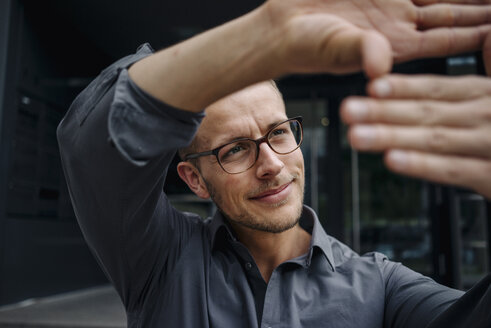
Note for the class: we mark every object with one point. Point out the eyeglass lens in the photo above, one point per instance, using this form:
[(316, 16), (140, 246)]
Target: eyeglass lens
[(239, 156)]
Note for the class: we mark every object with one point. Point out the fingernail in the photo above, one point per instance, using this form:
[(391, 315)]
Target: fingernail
[(382, 88), (398, 159), (364, 135), (357, 109)]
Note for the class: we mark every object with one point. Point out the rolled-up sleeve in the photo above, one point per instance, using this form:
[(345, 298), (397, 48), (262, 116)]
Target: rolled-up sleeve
[(116, 143), (139, 127)]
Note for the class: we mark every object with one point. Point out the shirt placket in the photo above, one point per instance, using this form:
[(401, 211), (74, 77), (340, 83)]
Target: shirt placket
[(271, 302)]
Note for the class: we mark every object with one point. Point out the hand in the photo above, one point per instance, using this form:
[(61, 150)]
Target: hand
[(304, 36), (435, 128), (341, 36)]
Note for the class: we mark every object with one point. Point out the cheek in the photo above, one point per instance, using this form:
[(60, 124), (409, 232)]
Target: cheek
[(229, 189), (214, 180), (234, 188), (300, 160), (296, 160)]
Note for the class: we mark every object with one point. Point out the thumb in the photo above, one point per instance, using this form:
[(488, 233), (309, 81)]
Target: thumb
[(486, 54), (352, 50), (376, 54)]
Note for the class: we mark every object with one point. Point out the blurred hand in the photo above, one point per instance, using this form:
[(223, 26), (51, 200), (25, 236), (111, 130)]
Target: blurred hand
[(340, 36), (435, 128)]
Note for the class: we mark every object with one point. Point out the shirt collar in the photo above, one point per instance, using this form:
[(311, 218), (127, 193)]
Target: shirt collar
[(310, 222), (219, 227)]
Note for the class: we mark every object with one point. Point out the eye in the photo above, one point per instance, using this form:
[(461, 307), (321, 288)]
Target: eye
[(235, 151), (279, 132)]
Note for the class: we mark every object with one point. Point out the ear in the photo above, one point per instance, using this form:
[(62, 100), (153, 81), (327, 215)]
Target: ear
[(190, 174)]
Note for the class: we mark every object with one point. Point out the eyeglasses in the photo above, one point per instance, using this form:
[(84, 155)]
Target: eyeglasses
[(241, 154)]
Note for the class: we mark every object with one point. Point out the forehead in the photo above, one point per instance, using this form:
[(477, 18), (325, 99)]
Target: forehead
[(247, 113)]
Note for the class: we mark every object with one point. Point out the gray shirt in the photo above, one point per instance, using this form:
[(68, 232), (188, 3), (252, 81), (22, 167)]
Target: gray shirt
[(173, 269)]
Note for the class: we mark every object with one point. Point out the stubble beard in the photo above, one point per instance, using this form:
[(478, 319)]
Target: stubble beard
[(259, 223)]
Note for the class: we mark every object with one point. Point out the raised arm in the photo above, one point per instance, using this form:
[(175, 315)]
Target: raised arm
[(308, 36)]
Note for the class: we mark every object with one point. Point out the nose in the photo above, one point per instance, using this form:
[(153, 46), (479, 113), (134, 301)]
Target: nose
[(268, 163)]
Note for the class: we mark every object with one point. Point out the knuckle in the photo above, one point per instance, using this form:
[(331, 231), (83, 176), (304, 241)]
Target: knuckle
[(398, 84), (427, 112), (453, 174), (455, 17), (377, 111), (436, 90), (386, 137), (484, 109), (437, 140), (448, 13)]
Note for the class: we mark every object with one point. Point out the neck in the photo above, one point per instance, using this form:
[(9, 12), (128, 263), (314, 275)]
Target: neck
[(271, 249)]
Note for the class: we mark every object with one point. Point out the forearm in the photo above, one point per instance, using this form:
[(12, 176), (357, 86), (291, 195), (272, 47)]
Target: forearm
[(203, 69)]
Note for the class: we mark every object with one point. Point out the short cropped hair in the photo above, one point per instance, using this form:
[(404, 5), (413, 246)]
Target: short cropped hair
[(195, 143)]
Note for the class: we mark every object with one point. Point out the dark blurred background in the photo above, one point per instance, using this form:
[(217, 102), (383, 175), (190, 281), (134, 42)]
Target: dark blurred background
[(51, 49)]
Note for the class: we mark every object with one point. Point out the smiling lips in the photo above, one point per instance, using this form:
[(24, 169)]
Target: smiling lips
[(276, 195)]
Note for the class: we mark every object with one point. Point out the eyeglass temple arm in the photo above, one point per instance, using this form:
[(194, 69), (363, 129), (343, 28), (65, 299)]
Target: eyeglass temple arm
[(196, 155)]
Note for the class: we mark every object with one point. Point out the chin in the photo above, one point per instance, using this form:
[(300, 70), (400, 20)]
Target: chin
[(267, 224), (276, 218)]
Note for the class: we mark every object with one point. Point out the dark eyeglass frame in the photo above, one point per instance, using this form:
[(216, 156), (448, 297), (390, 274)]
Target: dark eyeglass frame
[(258, 142)]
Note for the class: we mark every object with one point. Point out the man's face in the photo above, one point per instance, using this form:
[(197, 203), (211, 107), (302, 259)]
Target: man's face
[(269, 196)]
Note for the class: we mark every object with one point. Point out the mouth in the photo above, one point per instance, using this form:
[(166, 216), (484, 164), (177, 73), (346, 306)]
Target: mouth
[(275, 195)]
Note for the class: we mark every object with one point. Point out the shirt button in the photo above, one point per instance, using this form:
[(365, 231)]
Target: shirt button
[(248, 266)]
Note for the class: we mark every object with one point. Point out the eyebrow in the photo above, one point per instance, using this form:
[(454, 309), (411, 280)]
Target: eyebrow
[(232, 139)]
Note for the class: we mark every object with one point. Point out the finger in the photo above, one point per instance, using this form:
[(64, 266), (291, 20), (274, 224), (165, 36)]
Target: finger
[(357, 110), (342, 53), (430, 87), (441, 140), (317, 44), (486, 54), (351, 49), (452, 15), (442, 42), (474, 173), (464, 2), (376, 54), (440, 15)]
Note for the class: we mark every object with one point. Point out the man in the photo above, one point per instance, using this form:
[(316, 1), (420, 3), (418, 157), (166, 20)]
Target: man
[(263, 259)]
